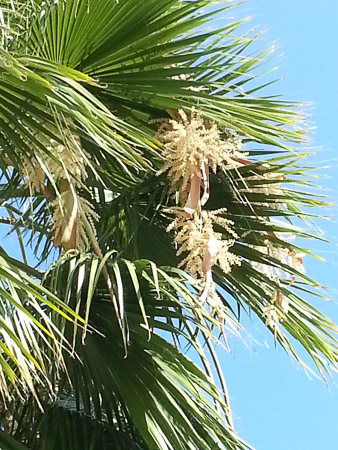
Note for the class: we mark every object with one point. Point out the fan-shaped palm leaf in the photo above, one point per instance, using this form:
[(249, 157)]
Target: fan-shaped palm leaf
[(94, 78)]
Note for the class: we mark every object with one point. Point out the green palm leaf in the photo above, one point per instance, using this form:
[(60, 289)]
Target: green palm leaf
[(29, 336), (96, 343)]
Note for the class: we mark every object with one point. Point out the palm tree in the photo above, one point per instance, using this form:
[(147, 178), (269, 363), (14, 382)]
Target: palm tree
[(154, 195)]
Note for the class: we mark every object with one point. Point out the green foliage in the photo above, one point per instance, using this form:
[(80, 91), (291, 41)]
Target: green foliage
[(95, 344)]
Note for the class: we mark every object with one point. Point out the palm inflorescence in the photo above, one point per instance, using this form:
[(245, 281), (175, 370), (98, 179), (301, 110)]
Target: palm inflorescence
[(156, 197)]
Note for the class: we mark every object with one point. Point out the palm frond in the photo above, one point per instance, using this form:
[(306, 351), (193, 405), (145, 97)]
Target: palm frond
[(102, 339), (29, 336), (170, 308)]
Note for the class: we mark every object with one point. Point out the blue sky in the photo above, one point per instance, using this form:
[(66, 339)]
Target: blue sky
[(276, 406)]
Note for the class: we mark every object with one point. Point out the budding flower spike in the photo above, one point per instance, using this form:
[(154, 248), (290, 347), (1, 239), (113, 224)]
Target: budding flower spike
[(68, 171), (192, 146)]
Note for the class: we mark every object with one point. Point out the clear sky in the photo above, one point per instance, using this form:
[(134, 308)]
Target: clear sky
[(276, 406)]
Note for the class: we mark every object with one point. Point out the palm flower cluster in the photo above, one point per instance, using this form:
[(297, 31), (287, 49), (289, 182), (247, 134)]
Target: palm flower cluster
[(68, 224), (191, 147), (273, 310), (79, 336), (269, 186), (34, 175), (287, 257), (68, 170), (69, 161), (202, 247)]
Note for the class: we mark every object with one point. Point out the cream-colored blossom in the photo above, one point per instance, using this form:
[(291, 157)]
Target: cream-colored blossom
[(282, 254), (192, 144), (269, 187), (271, 316), (274, 310), (70, 159), (193, 239), (295, 261), (68, 171), (202, 247), (68, 221), (69, 162), (288, 257), (216, 306), (34, 176), (284, 304)]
